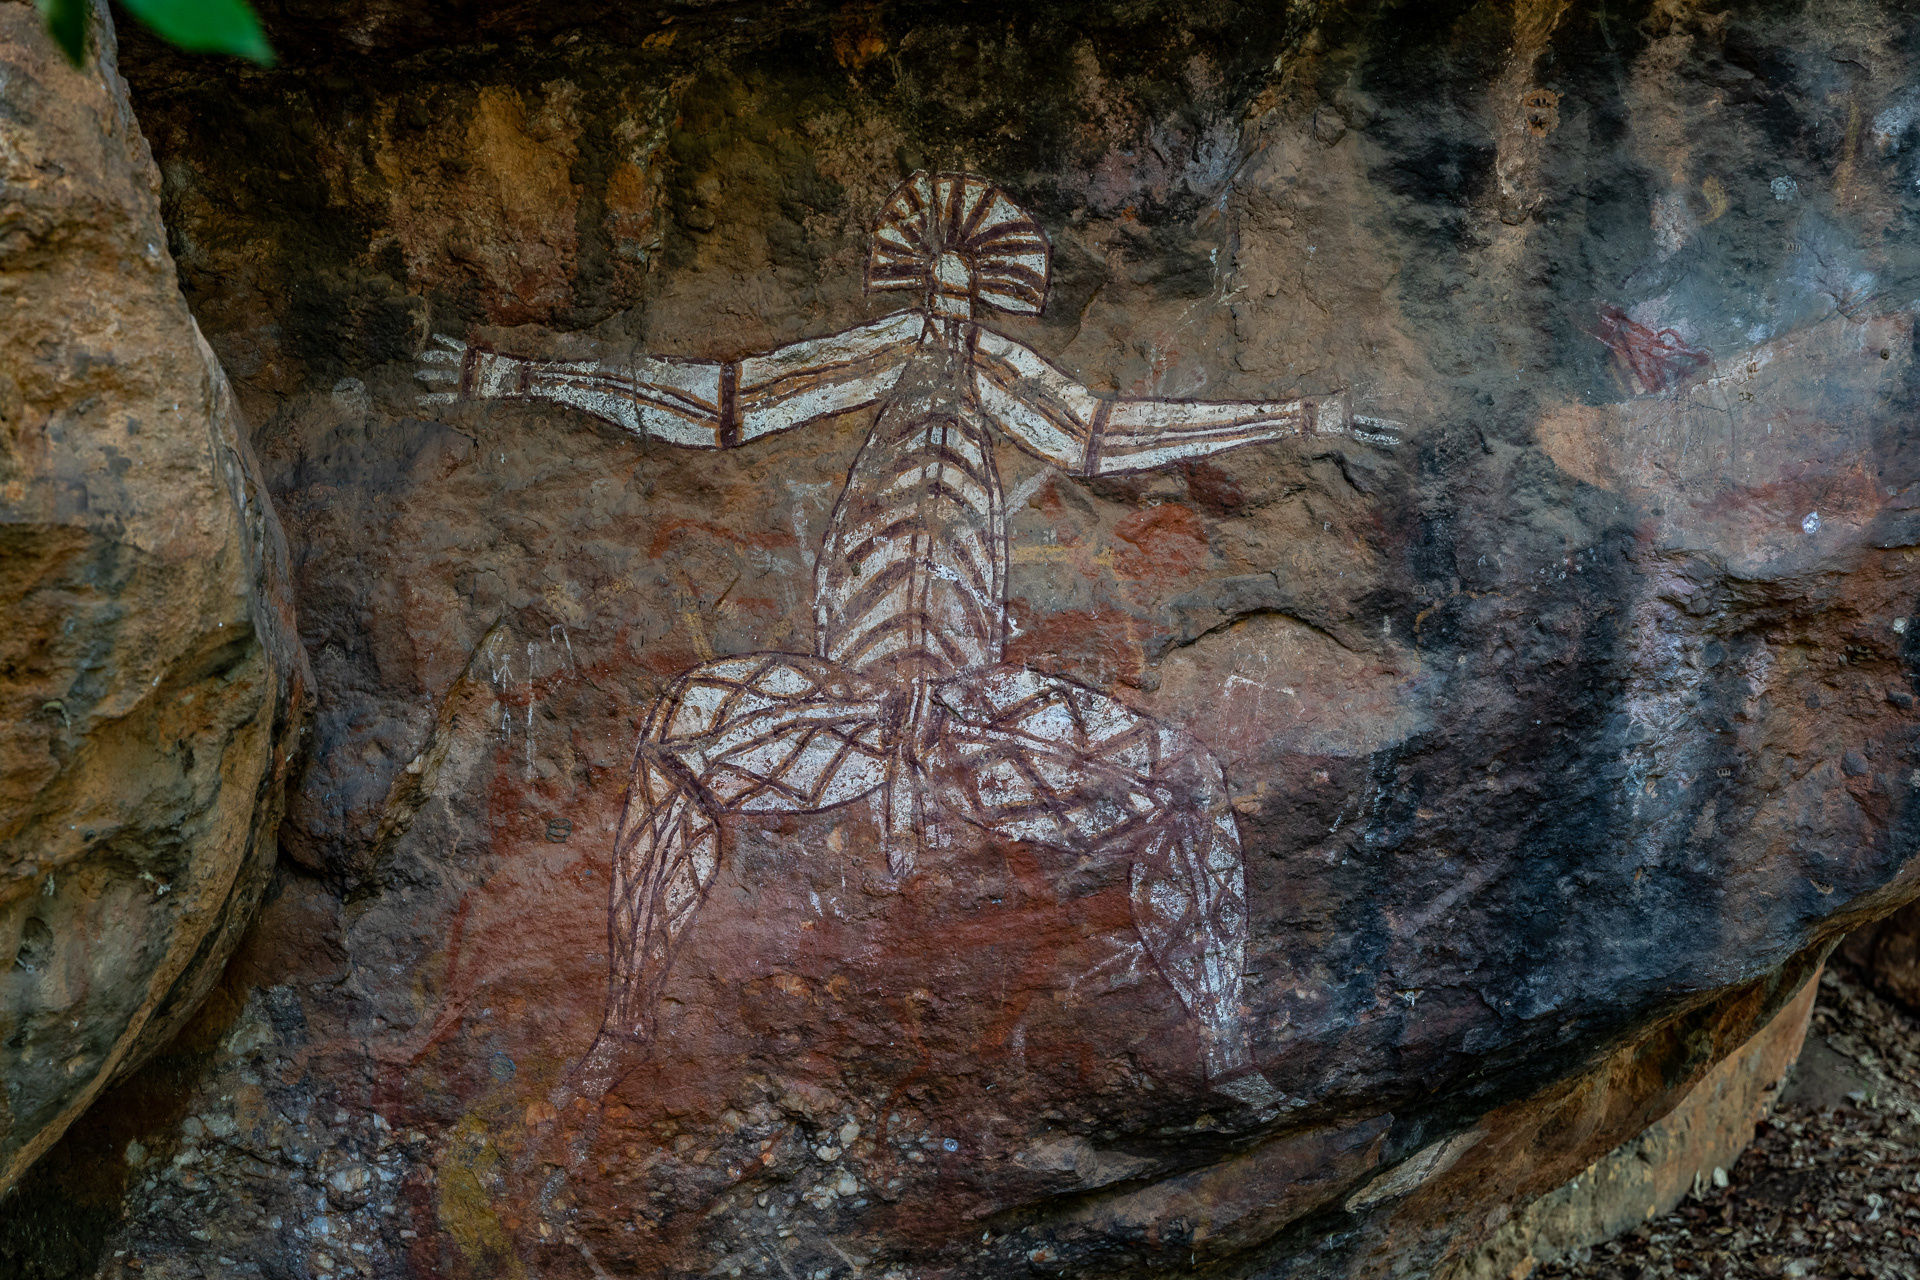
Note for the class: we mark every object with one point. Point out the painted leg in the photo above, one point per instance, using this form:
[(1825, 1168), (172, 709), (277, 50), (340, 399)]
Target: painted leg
[(664, 857), (663, 863), (1040, 758), (1190, 901), (761, 733)]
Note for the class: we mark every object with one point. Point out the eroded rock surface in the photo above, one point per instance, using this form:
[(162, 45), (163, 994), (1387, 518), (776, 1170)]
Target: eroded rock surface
[(1886, 954), (150, 676), (1560, 739)]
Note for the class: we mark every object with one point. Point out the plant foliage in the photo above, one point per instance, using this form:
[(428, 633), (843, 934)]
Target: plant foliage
[(199, 26)]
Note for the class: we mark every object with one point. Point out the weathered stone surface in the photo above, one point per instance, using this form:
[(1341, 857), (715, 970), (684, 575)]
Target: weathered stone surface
[(1689, 1148), (1887, 954), (1559, 740), (150, 676)]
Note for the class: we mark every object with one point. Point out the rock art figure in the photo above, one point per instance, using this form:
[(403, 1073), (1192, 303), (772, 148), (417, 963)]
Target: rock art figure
[(1657, 360), (907, 702)]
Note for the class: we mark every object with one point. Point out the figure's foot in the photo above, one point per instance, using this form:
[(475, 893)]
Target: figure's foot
[(1231, 1070), (1224, 1049), (1250, 1090), (592, 1076)]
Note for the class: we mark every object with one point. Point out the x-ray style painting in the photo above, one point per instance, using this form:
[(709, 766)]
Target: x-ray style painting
[(907, 702)]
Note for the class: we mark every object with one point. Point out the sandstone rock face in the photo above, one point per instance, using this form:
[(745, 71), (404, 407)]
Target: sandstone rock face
[(150, 672), (1555, 742)]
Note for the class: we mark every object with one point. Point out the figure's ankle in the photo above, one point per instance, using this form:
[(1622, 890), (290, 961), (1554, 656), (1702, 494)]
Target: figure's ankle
[(592, 1076), (1249, 1089), (1232, 1072), (1226, 1052)]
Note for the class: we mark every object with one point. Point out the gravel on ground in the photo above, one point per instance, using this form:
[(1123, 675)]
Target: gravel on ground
[(1831, 1184)]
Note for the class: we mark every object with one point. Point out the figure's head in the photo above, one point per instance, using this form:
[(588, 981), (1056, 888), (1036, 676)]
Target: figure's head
[(957, 240)]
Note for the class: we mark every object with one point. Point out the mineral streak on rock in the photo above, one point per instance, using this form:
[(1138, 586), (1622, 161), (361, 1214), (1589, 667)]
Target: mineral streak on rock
[(1559, 740), (151, 683)]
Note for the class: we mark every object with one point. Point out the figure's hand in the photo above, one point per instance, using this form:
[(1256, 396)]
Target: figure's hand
[(440, 366), (1381, 433)]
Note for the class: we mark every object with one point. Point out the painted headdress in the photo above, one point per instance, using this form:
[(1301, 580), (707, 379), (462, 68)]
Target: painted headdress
[(961, 242)]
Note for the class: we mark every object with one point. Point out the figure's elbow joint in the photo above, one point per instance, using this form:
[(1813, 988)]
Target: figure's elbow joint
[(1096, 430), (1326, 415), (1333, 415), (488, 375)]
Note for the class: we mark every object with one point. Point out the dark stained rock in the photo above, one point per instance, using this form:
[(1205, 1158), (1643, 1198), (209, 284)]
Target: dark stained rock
[(1887, 954), (151, 681), (1559, 741)]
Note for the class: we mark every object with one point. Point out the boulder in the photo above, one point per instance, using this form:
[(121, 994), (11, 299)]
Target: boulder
[(1308, 854), (1685, 1152), (151, 683)]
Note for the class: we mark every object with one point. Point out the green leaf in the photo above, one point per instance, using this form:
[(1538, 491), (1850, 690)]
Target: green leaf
[(204, 26), (67, 24)]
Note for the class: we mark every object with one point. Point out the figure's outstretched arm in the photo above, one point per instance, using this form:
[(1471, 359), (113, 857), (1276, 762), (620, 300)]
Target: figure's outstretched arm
[(1060, 420), (703, 404)]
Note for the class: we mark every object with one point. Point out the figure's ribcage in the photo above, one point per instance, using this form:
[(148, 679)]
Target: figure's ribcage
[(912, 576)]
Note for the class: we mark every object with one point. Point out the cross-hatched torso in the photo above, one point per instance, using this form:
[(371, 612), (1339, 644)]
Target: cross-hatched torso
[(911, 579)]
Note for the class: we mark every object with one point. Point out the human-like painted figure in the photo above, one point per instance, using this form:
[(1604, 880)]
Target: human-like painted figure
[(907, 702)]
